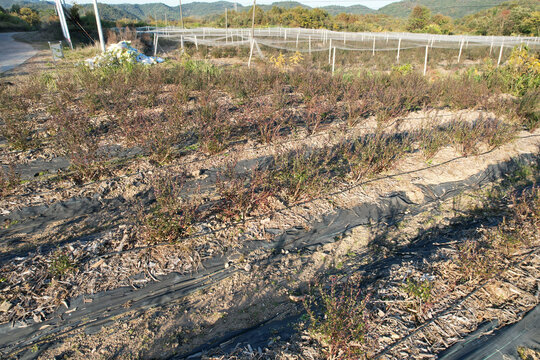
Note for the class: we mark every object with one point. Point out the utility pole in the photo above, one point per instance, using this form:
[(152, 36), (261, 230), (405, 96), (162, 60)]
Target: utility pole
[(181, 15), (253, 22), (100, 30), (252, 35), (226, 27), (63, 24)]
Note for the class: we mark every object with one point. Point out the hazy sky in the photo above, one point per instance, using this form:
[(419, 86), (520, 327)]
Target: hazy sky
[(374, 4)]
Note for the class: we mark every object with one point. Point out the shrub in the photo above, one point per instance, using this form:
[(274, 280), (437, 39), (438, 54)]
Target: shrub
[(522, 71), (156, 133), (8, 180), (529, 108), (266, 118), (339, 319), (241, 194), (17, 128), (172, 216), (77, 137), (303, 173), (212, 125), (420, 290), (431, 141), (318, 111), (375, 153), (463, 136), (61, 264), (475, 259)]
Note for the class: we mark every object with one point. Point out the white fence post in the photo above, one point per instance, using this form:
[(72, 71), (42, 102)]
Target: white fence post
[(425, 61), (334, 62), (98, 23), (373, 45), (398, 48), (500, 54), (251, 52), (460, 50), (330, 52)]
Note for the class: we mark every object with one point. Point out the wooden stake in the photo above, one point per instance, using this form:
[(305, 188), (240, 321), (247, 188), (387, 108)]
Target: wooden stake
[(491, 47), (310, 45), (297, 35), (373, 45)]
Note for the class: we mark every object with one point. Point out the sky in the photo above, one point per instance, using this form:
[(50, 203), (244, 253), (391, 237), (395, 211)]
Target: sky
[(374, 4)]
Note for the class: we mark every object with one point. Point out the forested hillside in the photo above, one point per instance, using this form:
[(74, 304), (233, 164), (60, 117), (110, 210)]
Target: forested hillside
[(521, 17)]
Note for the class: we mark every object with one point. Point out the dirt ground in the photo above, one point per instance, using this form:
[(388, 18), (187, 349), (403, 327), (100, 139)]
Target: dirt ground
[(237, 295)]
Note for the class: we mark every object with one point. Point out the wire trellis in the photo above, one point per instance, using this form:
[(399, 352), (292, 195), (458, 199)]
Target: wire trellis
[(320, 40), (312, 40)]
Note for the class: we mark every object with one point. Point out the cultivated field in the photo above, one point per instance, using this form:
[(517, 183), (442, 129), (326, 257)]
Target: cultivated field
[(202, 208)]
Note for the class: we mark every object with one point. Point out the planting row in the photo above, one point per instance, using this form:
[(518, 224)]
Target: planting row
[(417, 308), (175, 109), (183, 218)]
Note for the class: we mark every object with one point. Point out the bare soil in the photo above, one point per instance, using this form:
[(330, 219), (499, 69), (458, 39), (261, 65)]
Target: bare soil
[(248, 279)]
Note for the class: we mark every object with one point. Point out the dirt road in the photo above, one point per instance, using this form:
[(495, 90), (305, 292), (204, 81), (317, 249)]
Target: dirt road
[(13, 52)]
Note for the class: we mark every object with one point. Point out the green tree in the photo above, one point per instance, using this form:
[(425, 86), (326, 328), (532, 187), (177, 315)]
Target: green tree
[(74, 12), (15, 8), (419, 18), (29, 15)]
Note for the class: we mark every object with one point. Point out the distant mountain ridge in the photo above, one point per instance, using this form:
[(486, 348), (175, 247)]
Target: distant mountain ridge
[(200, 9), (401, 9), (452, 8)]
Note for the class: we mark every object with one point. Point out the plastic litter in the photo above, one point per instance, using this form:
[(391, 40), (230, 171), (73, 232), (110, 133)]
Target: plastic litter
[(120, 54)]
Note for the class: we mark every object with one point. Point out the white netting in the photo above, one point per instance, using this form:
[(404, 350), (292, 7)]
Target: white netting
[(313, 40)]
